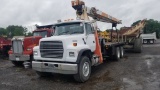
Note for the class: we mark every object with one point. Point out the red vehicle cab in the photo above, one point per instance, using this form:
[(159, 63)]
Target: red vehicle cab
[(22, 47), (5, 45)]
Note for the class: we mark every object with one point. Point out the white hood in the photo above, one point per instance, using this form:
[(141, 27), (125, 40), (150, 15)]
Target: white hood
[(64, 37)]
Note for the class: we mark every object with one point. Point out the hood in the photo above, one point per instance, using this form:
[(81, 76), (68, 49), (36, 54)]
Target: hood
[(33, 37), (63, 37), (18, 38), (33, 40)]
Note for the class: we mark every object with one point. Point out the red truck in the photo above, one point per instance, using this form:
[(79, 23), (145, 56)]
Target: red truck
[(22, 47), (5, 45)]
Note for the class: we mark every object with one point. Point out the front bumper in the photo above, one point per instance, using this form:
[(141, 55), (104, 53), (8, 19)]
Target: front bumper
[(19, 57), (62, 68)]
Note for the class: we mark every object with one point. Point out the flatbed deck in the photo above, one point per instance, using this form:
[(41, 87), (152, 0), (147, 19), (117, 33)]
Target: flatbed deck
[(114, 43)]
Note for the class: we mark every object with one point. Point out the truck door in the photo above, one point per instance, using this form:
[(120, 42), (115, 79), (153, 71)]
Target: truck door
[(90, 39)]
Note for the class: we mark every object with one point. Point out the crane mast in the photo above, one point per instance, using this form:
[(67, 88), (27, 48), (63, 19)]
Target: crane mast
[(83, 12)]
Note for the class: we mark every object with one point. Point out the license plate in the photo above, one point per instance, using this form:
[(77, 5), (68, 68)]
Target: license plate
[(51, 65), (17, 59)]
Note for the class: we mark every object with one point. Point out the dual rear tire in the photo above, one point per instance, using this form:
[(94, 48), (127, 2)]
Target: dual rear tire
[(119, 53), (148, 41)]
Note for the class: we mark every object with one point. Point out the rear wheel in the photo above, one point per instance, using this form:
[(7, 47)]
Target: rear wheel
[(121, 52), (144, 41), (138, 45), (43, 74), (84, 70), (18, 63), (117, 54), (151, 41)]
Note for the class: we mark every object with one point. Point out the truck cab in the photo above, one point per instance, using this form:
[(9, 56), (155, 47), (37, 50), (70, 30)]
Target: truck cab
[(5, 45), (149, 38), (71, 50), (22, 47)]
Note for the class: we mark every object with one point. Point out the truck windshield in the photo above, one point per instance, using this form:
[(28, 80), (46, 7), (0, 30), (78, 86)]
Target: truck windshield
[(40, 33), (69, 28)]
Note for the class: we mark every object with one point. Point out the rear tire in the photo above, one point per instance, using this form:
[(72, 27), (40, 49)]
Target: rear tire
[(151, 41), (145, 41), (138, 45), (117, 54), (121, 52), (43, 74), (18, 63), (84, 70)]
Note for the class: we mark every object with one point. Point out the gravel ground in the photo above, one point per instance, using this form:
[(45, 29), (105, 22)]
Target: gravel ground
[(133, 72)]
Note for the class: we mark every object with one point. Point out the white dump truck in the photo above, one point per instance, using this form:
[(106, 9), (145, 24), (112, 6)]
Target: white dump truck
[(149, 38)]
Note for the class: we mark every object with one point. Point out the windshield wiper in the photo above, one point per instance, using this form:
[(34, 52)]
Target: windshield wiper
[(63, 33), (75, 33)]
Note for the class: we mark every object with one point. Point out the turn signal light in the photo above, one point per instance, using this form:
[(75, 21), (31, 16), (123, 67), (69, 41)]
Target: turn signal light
[(74, 44)]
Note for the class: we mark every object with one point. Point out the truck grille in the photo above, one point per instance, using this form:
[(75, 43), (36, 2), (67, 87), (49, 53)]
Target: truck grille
[(51, 49), (17, 46)]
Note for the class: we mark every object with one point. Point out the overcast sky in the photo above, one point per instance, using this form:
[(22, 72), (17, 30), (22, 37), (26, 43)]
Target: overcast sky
[(31, 12)]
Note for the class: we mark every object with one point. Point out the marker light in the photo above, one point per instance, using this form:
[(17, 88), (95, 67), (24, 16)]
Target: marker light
[(74, 44)]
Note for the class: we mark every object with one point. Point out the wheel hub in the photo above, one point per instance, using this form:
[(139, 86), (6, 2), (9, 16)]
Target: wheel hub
[(118, 54), (122, 53), (86, 69)]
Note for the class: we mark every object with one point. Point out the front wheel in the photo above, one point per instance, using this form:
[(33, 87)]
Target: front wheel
[(18, 63), (84, 70)]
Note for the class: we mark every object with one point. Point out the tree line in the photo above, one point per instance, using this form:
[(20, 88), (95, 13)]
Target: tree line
[(14, 30)]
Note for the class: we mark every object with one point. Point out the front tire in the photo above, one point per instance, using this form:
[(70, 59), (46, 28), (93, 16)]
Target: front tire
[(84, 70)]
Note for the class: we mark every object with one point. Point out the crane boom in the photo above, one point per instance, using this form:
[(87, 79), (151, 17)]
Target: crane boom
[(83, 12)]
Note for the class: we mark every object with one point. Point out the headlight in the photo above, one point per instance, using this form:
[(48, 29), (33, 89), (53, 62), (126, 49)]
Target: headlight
[(35, 52), (71, 54)]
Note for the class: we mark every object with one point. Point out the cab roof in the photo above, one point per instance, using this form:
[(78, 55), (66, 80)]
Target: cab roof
[(45, 26), (51, 25), (72, 21)]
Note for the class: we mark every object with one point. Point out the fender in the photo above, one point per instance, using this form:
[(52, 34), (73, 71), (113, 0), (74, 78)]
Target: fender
[(81, 52)]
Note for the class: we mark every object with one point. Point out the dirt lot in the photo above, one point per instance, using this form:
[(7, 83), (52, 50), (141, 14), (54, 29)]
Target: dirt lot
[(134, 72)]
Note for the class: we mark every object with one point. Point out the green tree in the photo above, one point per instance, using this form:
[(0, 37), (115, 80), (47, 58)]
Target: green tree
[(3, 31), (29, 34), (16, 31), (135, 23)]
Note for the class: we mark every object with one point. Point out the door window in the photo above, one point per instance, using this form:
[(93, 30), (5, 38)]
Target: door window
[(88, 28)]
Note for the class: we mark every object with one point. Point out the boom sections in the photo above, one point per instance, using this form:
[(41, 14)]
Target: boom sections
[(83, 12)]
